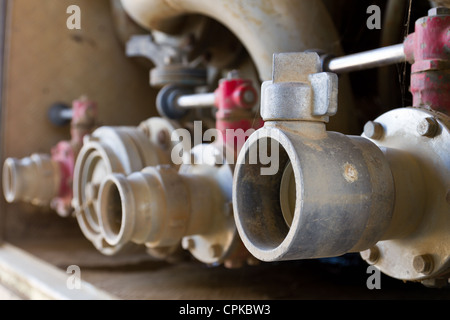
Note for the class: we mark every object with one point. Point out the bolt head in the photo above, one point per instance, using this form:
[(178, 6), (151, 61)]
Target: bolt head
[(89, 138), (252, 261), (435, 283), (168, 60), (438, 11), (371, 255), (428, 127), (423, 263), (233, 264), (146, 131), (188, 243), (163, 138), (373, 130), (249, 96), (233, 74), (215, 250)]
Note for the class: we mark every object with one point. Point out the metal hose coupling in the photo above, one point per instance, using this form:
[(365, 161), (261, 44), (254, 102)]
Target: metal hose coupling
[(156, 206), (46, 179), (163, 207), (23, 179), (114, 150), (302, 192)]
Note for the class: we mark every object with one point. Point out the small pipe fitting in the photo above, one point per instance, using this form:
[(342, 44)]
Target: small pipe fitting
[(34, 179), (156, 207), (108, 150), (163, 207)]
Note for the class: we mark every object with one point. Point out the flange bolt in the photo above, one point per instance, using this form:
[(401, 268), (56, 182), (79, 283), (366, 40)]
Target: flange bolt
[(373, 130), (423, 263), (428, 127)]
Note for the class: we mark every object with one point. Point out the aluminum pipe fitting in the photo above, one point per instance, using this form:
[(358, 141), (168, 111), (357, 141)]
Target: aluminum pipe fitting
[(332, 194), (35, 179), (156, 206), (108, 150), (299, 191), (163, 207)]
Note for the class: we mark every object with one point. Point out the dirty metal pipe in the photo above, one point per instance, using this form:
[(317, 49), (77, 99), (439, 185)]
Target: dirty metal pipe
[(199, 100), (367, 59), (66, 114), (234, 100), (426, 49)]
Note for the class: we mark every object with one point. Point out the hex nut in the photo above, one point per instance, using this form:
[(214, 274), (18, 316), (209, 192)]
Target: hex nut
[(423, 263), (249, 96), (428, 127), (373, 130), (435, 283), (188, 243), (438, 11), (371, 255), (215, 250), (163, 138)]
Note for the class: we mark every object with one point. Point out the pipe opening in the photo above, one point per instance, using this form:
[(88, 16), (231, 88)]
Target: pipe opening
[(114, 216), (112, 211), (287, 194), (265, 202)]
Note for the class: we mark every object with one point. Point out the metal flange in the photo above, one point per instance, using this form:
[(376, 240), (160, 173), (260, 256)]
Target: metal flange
[(422, 251)]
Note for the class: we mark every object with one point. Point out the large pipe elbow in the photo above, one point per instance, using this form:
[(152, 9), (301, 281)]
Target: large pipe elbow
[(263, 27)]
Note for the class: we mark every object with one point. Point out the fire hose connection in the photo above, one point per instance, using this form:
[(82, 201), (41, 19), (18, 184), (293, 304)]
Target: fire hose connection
[(324, 194), (45, 179), (113, 150)]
